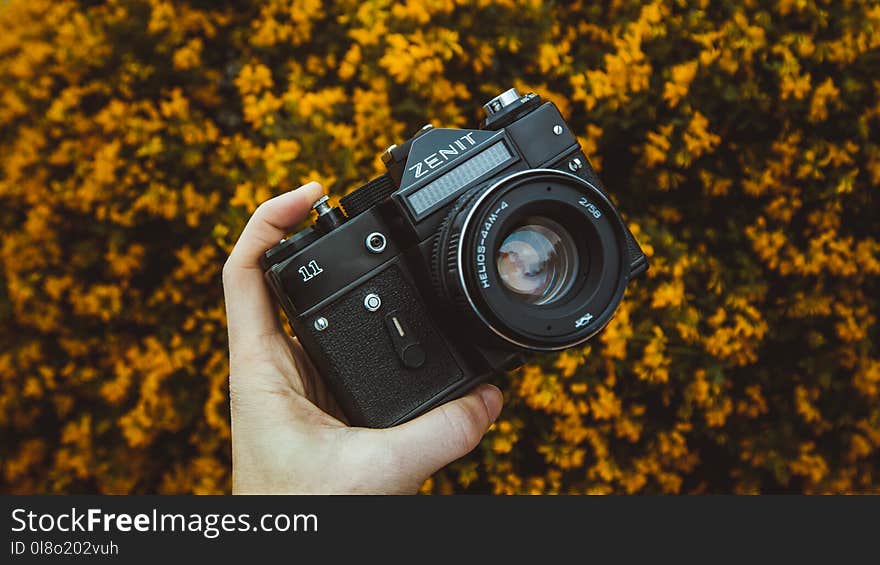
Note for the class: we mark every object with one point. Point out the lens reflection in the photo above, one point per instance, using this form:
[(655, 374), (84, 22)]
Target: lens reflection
[(537, 262)]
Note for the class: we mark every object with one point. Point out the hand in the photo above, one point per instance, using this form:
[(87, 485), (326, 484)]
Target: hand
[(287, 431)]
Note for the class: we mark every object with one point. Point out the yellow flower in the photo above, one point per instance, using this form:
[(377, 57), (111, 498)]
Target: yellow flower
[(698, 139), (824, 93), (682, 77), (254, 78)]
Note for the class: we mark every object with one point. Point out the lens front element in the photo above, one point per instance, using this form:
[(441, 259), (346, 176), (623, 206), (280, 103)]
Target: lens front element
[(537, 262)]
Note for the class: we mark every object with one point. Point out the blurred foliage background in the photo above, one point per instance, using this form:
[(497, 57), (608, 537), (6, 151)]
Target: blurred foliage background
[(740, 138)]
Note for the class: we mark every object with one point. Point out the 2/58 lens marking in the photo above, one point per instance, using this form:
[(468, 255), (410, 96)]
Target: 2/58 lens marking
[(591, 208)]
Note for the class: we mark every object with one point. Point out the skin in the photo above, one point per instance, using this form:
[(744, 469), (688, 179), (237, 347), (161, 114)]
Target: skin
[(288, 435)]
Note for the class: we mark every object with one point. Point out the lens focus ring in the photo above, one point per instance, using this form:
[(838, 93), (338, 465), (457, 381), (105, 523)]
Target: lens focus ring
[(445, 256)]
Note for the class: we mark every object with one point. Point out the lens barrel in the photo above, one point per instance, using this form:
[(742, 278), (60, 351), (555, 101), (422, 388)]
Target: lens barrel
[(537, 259)]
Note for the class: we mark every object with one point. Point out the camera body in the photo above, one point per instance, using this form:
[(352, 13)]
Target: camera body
[(476, 248)]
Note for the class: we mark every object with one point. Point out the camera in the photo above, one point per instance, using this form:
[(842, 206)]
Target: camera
[(476, 249)]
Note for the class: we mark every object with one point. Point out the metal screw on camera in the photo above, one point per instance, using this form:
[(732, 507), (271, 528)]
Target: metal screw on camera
[(321, 324), (375, 242), (557, 129), (575, 164), (372, 302)]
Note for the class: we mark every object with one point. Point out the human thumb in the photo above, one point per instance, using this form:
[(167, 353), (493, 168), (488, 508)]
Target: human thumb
[(446, 433)]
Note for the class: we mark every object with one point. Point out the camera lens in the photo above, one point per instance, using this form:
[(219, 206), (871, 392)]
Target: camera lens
[(538, 261), (537, 258)]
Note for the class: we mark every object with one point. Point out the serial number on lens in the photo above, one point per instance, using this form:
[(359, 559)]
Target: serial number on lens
[(47, 547)]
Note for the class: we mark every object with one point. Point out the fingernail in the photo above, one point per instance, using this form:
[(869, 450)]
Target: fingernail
[(492, 398)]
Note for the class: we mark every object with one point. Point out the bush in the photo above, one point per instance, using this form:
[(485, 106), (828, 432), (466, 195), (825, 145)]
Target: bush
[(739, 138)]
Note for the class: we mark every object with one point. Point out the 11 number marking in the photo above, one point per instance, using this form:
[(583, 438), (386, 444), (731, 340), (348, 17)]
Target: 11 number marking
[(310, 271)]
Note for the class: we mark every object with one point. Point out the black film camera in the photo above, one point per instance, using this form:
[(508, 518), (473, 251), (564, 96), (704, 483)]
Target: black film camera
[(477, 248)]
